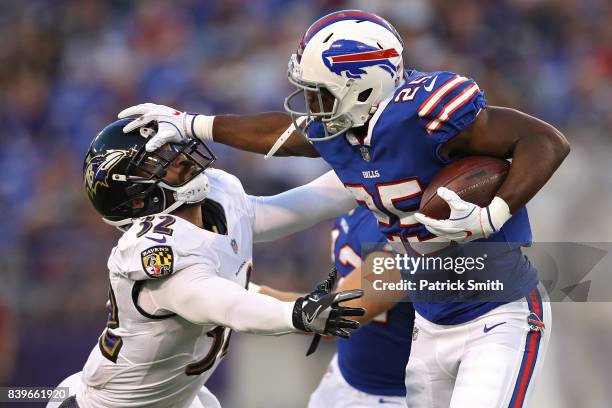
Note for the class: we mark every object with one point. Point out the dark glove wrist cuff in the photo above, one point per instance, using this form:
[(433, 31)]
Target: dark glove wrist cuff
[(296, 317)]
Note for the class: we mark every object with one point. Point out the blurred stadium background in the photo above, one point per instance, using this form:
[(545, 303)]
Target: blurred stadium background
[(68, 67)]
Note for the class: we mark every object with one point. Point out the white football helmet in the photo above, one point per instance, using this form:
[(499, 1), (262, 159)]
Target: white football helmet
[(354, 57)]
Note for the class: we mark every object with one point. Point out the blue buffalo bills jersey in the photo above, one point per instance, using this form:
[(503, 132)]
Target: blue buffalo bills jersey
[(374, 359), (388, 169)]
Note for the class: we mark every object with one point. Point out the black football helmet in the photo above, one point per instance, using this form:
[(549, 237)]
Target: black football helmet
[(118, 170)]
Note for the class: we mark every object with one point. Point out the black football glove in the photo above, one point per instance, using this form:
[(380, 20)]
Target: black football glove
[(319, 312), (326, 286)]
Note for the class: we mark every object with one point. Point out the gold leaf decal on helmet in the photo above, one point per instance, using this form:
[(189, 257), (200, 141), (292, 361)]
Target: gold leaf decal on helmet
[(98, 169)]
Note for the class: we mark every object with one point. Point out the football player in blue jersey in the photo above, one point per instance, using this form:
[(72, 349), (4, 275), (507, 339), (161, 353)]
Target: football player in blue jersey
[(386, 131), (369, 368)]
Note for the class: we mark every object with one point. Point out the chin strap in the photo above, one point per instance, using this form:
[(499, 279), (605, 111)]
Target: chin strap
[(283, 138), (122, 225)]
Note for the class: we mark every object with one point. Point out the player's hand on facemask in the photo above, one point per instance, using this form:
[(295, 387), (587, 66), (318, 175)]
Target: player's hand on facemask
[(173, 126), (319, 312), (467, 221)]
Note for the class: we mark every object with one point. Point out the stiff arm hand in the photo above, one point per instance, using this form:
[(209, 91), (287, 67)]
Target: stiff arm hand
[(173, 126)]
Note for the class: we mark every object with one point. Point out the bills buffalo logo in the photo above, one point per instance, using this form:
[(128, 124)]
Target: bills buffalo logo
[(350, 57), (98, 168), (535, 323), (157, 261)]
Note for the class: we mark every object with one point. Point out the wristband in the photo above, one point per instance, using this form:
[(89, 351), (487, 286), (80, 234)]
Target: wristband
[(494, 216), (202, 127)]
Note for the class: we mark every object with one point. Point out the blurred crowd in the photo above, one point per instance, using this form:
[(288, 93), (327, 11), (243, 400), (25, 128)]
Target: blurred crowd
[(67, 67)]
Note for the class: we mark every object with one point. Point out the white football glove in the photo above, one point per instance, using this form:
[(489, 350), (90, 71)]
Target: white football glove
[(173, 126), (467, 221)]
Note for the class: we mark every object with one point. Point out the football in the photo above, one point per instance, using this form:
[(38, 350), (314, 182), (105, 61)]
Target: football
[(475, 179)]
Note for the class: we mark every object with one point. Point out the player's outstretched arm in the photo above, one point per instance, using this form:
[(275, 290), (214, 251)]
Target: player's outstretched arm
[(202, 298), (254, 133), (258, 132), (351, 281), (299, 208), (536, 148)]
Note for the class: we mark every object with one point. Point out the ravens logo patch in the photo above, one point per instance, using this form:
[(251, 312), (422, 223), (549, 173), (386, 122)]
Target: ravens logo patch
[(158, 261)]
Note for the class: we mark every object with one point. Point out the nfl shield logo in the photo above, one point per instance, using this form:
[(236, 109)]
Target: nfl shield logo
[(234, 246), (365, 153)]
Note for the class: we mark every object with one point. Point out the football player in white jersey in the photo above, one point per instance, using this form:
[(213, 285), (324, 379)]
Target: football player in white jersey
[(180, 272)]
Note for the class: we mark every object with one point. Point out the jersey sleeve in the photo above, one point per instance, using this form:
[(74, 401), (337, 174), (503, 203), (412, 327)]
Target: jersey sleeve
[(156, 255), (451, 104), (299, 208), (202, 299), (232, 186)]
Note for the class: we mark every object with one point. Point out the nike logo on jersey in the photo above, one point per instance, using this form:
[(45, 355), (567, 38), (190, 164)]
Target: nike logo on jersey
[(488, 329), (161, 241), (429, 87), (386, 401)]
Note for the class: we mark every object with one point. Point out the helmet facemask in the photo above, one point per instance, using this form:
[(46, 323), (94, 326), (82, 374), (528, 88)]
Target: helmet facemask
[(147, 174), (152, 167), (311, 101)]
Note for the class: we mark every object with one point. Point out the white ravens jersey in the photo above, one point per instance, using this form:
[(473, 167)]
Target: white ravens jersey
[(144, 360)]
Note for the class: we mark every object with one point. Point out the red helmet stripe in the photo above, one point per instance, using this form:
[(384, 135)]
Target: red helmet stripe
[(366, 56)]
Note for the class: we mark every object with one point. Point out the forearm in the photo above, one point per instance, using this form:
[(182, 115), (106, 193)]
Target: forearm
[(300, 208), (373, 308), (260, 314), (214, 300), (258, 132)]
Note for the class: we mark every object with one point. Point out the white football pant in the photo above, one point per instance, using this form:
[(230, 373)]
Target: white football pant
[(491, 361)]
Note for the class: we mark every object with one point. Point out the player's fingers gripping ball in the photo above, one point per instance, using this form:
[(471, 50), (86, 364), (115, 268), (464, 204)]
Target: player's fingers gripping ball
[(460, 203)]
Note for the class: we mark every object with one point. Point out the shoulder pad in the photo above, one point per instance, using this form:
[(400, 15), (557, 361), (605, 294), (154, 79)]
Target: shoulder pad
[(445, 103), (225, 180)]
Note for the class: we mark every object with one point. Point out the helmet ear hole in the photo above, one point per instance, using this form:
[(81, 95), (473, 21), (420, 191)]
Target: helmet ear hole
[(364, 95)]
